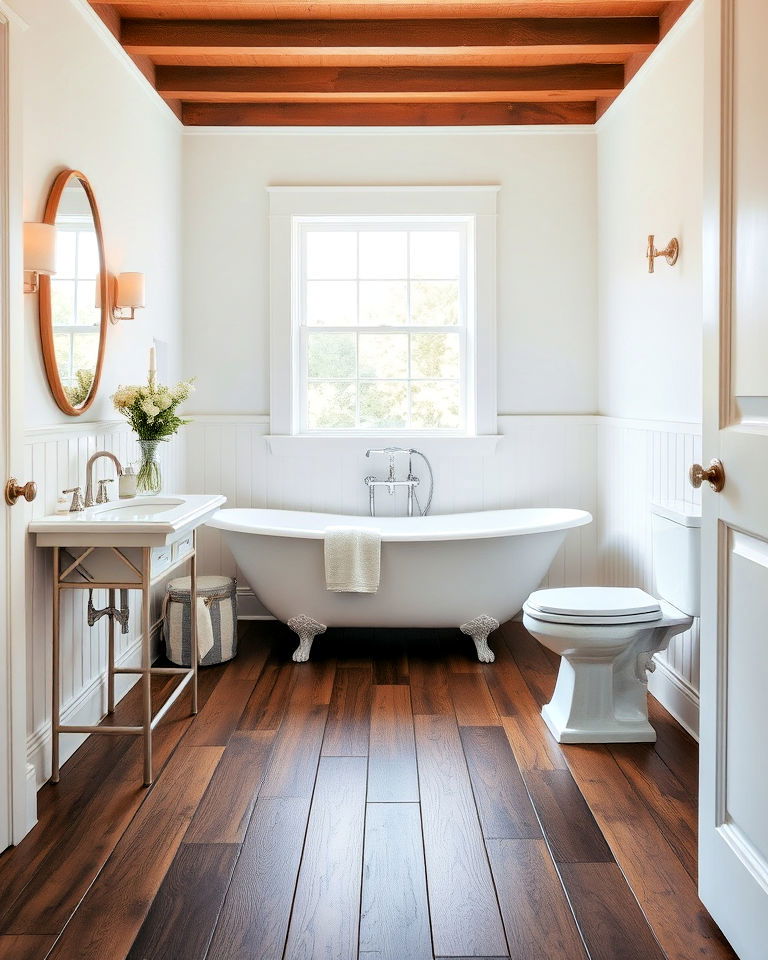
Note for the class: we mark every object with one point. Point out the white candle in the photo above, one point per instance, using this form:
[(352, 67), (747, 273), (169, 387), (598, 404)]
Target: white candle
[(152, 364)]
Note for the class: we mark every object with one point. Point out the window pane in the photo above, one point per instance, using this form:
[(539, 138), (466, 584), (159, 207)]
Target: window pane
[(383, 302), (87, 256), (383, 355), (331, 254), (435, 355), (85, 347), (435, 405), (330, 405), (331, 355), (61, 347), (331, 303), (86, 303), (383, 254), (435, 303), (62, 302), (383, 404), (65, 253), (435, 254)]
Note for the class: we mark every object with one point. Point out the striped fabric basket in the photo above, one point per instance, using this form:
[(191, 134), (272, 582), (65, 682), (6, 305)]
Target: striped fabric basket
[(216, 620)]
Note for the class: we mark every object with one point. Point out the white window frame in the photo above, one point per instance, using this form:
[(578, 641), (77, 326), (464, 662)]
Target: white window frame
[(293, 207)]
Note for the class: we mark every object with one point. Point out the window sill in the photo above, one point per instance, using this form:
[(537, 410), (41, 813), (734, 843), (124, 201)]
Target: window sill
[(313, 444)]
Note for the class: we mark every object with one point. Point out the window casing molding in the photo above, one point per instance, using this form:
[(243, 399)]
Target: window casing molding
[(289, 206)]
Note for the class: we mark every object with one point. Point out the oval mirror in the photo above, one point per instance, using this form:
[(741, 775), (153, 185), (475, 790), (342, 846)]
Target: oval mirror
[(74, 302)]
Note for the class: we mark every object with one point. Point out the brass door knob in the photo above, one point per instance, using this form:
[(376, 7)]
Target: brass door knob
[(14, 490), (714, 475)]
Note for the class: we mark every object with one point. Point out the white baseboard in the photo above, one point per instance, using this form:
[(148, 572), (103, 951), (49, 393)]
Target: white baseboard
[(31, 796), (676, 695), (88, 708), (249, 607)]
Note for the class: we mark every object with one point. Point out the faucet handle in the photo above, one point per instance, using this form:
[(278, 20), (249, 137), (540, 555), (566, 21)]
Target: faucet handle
[(77, 505), (102, 496)]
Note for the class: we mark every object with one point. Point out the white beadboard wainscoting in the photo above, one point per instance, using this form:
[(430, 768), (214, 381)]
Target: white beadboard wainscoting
[(639, 462), (536, 461), (55, 458)]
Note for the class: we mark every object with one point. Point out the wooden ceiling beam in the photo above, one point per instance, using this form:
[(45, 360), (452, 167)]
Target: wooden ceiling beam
[(221, 84), (554, 35), (384, 114)]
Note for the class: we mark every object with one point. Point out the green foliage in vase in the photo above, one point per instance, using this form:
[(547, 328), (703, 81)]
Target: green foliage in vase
[(151, 409)]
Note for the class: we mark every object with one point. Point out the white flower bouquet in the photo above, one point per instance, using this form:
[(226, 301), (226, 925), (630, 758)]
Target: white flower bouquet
[(151, 409)]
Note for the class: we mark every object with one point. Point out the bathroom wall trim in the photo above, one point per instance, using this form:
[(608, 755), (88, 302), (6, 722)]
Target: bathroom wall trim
[(676, 695), (579, 129), (86, 708), (55, 431)]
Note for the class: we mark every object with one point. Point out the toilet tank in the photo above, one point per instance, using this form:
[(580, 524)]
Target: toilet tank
[(677, 553)]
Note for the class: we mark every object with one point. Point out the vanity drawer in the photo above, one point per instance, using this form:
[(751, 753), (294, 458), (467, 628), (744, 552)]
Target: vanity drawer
[(161, 558), (182, 547)]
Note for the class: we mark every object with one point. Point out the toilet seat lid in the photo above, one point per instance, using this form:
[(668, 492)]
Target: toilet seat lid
[(594, 605)]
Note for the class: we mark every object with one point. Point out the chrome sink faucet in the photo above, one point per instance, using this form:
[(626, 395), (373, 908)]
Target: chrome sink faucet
[(391, 481), (89, 501)]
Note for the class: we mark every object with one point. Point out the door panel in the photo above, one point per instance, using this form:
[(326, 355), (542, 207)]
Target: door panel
[(733, 827)]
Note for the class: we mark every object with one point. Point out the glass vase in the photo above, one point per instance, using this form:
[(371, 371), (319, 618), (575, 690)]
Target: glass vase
[(149, 479)]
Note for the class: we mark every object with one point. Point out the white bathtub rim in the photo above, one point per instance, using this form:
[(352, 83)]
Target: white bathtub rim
[(479, 525)]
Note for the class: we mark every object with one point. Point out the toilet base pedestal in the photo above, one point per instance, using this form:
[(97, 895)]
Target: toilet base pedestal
[(584, 708)]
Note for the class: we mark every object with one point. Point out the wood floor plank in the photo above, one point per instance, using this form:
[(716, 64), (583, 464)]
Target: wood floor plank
[(223, 814), (110, 915), (389, 657), (326, 919), (253, 921), (675, 746), (269, 699), (503, 679), (472, 700), (349, 714), (465, 913), (571, 830), (537, 917), (663, 887), (218, 719), (501, 796), (540, 674), (392, 772), (533, 745), (182, 917), (610, 919), (673, 808), (429, 679), (25, 947), (394, 917), (253, 650)]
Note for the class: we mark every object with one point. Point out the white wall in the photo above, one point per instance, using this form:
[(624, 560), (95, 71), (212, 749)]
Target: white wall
[(650, 178), (85, 107), (546, 268), (650, 174)]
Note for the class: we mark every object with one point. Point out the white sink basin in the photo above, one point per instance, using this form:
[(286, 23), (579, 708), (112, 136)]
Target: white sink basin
[(137, 510), (143, 521)]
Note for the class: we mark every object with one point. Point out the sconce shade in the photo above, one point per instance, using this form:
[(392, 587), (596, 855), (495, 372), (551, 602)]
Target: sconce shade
[(40, 248), (130, 290)]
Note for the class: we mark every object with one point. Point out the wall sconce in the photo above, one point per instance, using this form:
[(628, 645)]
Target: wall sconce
[(39, 254), (670, 252), (126, 295)]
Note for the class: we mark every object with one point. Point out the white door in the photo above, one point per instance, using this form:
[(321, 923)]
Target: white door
[(14, 815), (733, 845)]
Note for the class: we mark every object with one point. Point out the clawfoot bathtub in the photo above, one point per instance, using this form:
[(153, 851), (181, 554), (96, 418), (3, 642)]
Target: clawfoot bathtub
[(468, 570)]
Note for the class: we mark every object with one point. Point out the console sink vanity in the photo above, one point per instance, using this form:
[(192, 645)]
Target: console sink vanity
[(124, 545)]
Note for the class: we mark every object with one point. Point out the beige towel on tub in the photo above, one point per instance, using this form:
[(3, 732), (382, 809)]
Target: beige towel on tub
[(352, 559)]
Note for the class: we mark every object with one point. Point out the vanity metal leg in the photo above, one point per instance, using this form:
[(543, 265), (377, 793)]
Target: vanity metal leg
[(193, 652), (146, 663), (111, 656), (55, 671)]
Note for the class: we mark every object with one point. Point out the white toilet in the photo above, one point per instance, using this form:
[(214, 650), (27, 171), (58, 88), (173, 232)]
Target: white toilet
[(607, 636)]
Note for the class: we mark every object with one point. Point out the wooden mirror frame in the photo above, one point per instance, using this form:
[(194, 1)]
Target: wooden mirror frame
[(46, 313)]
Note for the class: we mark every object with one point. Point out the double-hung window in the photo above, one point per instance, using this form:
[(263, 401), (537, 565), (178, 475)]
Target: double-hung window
[(383, 310), (383, 321)]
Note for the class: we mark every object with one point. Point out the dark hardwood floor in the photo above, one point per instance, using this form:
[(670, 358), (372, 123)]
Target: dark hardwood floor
[(392, 799)]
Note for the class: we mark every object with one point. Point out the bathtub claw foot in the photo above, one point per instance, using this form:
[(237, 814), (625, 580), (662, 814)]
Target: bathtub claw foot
[(479, 629), (306, 629)]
